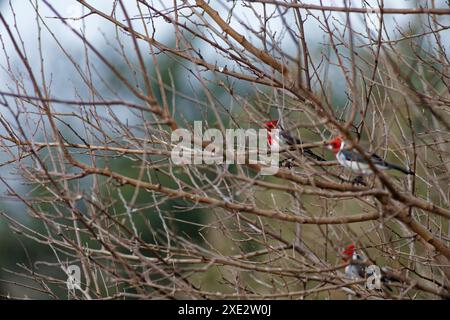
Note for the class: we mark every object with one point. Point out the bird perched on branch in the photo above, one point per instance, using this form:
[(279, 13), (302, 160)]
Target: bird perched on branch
[(359, 268), (355, 268), (357, 163), (285, 139)]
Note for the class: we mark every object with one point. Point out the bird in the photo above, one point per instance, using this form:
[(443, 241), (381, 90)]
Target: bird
[(357, 163), (358, 268), (285, 139), (355, 268)]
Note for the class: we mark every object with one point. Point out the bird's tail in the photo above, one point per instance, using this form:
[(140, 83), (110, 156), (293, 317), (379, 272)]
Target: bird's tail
[(312, 155), (401, 169)]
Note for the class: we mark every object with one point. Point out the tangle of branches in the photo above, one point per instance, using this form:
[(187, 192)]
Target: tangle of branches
[(88, 159)]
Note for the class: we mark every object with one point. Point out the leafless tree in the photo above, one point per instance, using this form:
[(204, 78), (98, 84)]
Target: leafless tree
[(109, 199)]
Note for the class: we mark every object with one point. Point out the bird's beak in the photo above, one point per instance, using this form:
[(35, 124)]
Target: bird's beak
[(328, 145)]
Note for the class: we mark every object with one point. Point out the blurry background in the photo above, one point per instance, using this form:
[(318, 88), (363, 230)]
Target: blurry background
[(55, 53)]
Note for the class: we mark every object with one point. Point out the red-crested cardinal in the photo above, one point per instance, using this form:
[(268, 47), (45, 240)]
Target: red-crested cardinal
[(356, 162), (359, 268), (355, 268), (285, 139)]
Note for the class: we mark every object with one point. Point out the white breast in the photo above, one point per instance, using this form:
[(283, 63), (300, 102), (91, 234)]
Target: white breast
[(276, 141)]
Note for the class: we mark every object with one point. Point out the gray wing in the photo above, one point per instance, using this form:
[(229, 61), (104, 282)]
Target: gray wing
[(290, 140), (355, 156)]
